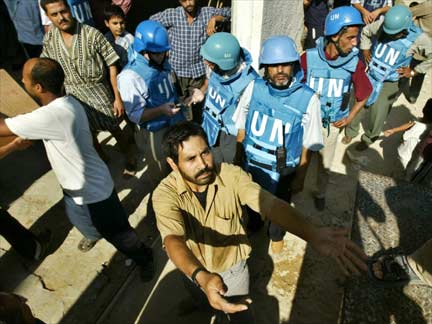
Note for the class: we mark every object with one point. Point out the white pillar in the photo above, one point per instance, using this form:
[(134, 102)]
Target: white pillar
[(255, 20), (247, 16)]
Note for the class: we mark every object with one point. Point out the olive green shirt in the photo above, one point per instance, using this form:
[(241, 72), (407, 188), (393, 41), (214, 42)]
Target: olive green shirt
[(216, 236)]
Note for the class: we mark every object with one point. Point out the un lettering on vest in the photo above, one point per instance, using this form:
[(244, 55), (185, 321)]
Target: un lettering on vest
[(268, 128), (389, 54), (216, 98), (335, 87), (82, 11), (165, 88)]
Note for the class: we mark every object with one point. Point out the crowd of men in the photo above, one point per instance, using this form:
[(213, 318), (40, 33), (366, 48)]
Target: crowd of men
[(218, 135)]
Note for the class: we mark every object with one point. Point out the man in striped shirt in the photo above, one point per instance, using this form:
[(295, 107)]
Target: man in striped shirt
[(83, 52)]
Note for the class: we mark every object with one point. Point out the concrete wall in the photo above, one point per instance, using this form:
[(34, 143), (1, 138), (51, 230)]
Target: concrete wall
[(255, 20)]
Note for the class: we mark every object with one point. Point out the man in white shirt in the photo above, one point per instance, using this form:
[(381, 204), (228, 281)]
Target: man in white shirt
[(61, 123)]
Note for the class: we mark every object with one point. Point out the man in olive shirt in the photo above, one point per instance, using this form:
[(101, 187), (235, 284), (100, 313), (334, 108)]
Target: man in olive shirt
[(199, 215)]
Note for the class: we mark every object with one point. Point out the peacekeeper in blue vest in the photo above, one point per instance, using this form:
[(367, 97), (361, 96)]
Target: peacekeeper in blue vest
[(229, 72), (397, 39), (332, 69), (81, 11), (280, 125), (147, 89)]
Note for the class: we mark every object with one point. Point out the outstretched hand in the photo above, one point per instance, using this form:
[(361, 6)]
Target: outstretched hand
[(169, 109), (195, 97), (405, 72), (333, 242), (215, 289)]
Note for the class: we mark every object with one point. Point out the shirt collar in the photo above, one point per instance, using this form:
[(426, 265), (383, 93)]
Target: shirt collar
[(184, 12)]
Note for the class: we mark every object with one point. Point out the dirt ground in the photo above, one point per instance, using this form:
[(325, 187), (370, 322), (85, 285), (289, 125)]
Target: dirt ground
[(297, 286), (101, 286)]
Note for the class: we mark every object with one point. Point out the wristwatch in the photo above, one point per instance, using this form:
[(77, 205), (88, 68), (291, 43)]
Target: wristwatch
[(195, 273)]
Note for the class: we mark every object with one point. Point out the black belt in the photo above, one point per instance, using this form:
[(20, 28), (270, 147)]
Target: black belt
[(284, 172), (259, 147), (215, 116), (262, 165)]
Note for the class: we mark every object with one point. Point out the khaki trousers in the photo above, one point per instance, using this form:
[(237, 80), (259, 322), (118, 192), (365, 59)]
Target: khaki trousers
[(325, 159), (150, 143)]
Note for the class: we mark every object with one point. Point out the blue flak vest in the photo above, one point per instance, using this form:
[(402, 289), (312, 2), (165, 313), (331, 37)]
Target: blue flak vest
[(81, 11), (160, 89), (331, 79), (222, 98), (275, 114), (387, 58)]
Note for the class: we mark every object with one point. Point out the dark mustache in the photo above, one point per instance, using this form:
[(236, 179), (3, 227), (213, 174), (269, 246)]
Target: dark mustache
[(205, 170), (282, 74)]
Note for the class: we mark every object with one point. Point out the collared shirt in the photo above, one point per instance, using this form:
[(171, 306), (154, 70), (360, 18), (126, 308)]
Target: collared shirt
[(186, 40), (121, 45), (216, 235), (84, 65)]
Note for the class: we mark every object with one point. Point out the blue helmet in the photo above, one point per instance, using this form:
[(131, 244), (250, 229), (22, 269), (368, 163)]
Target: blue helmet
[(341, 17), (222, 49), (278, 49), (397, 19), (151, 36)]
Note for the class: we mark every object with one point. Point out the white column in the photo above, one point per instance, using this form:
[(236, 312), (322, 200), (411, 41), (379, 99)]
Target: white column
[(247, 16)]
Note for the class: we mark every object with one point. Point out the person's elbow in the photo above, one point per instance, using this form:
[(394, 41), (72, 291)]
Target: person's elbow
[(172, 242), (4, 129)]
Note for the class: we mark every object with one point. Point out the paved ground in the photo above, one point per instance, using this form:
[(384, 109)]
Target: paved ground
[(102, 287), (391, 215)]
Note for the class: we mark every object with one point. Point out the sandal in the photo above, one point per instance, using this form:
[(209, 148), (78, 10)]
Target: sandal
[(130, 168), (86, 244), (395, 269)]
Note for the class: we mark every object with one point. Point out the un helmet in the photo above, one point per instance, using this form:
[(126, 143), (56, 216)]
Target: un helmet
[(397, 19), (278, 49), (222, 49), (341, 17), (151, 36)]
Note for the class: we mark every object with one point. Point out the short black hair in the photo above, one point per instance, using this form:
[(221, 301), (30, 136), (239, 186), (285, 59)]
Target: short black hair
[(179, 133), (427, 111), (49, 74), (43, 3), (113, 10)]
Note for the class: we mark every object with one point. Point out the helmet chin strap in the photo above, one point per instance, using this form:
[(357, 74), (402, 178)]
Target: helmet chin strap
[(226, 74), (338, 48)]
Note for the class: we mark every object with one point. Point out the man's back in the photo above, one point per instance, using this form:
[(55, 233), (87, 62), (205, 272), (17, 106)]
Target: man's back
[(64, 129)]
